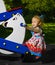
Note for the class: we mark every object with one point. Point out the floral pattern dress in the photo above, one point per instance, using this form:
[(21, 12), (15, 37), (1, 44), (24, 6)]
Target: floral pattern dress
[(36, 43)]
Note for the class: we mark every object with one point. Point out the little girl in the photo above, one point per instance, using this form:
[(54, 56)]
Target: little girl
[(36, 43)]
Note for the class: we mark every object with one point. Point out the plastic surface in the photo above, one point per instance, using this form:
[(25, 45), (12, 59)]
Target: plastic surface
[(7, 15)]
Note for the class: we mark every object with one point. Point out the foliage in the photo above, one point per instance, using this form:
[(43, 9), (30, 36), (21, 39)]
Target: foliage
[(12, 3), (34, 7), (39, 5), (45, 7), (8, 4)]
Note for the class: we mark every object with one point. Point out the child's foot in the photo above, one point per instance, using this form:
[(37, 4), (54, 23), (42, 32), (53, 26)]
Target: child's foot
[(37, 57)]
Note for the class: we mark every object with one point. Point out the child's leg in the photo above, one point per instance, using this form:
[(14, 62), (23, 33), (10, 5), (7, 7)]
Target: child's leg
[(34, 50)]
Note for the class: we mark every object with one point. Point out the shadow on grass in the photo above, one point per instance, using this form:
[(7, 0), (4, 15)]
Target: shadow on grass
[(50, 35)]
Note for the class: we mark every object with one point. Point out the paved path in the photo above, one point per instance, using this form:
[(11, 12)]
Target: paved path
[(49, 58)]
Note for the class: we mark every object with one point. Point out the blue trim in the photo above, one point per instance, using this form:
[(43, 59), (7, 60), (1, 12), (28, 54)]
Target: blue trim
[(34, 53), (13, 46), (16, 47), (7, 15)]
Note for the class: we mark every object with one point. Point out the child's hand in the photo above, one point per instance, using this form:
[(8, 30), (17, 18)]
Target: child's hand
[(23, 25)]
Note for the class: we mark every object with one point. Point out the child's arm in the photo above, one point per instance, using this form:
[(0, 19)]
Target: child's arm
[(37, 29), (33, 29)]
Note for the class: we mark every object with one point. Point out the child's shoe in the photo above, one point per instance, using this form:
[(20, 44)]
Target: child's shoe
[(37, 57)]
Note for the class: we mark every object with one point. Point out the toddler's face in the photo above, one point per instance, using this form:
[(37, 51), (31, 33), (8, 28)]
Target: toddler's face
[(35, 22)]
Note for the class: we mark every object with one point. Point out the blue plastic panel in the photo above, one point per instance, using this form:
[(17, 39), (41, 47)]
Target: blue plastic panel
[(12, 46), (6, 15)]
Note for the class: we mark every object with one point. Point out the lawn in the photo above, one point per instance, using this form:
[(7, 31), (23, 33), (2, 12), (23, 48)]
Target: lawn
[(48, 29)]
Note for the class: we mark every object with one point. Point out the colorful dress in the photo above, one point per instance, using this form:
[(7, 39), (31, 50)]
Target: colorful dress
[(36, 43)]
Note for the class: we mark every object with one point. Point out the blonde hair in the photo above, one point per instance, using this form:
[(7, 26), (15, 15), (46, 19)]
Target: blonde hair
[(37, 17)]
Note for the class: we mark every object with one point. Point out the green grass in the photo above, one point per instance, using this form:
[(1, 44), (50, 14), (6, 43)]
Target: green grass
[(48, 29)]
